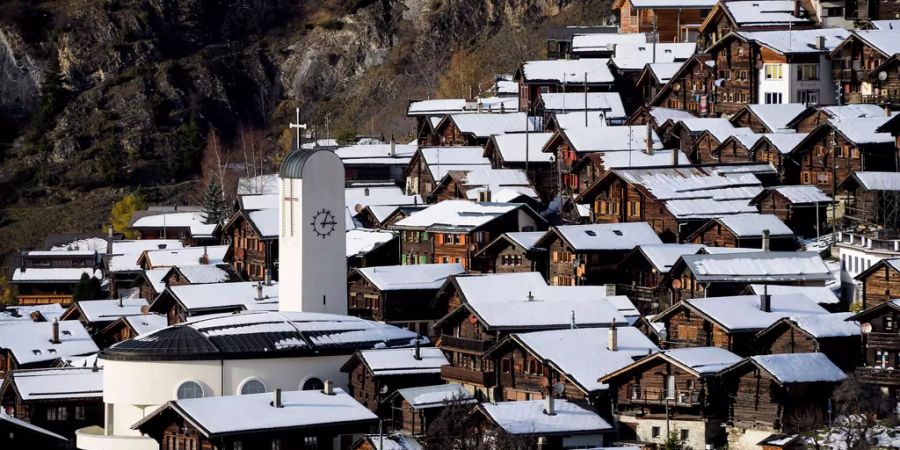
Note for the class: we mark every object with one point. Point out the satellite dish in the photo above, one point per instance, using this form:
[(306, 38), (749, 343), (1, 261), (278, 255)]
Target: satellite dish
[(559, 388), (384, 389), (759, 65), (358, 208), (866, 328), (145, 309), (676, 283), (677, 87), (882, 76)]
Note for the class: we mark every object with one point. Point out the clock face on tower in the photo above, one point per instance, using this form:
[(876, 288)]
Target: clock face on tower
[(323, 223)]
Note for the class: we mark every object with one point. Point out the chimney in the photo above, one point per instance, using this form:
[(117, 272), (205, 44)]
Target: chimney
[(675, 157), (22, 261), (276, 398), (328, 388), (820, 42), (95, 368), (54, 333), (259, 292), (765, 300), (418, 354), (268, 276), (480, 106), (796, 8), (765, 240), (393, 147), (549, 407), (109, 241), (484, 196), (649, 143), (530, 296), (572, 321), (120, 302), (366, 191), (887, 110), (204, 259), (612, 338)]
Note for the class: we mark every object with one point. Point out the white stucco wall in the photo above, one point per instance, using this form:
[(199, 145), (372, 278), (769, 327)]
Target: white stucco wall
[(790, 87), (700, 432)]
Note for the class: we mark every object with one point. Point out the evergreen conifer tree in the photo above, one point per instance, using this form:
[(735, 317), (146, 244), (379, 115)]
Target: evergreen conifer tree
[(214, 207)]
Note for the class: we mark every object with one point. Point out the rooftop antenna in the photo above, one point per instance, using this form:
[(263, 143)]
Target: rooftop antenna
[(298, 126), (572, 323)]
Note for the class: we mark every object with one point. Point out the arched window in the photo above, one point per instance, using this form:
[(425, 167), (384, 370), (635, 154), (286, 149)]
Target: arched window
[(252, 386), (189, 389), (313, 384)]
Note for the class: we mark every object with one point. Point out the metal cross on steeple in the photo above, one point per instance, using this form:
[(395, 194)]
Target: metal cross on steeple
[(299, 126)]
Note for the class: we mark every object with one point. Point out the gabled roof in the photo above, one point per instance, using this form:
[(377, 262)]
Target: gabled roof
[(410, 277), (126, 253), (884, 41), (95, 311), (876, 311), (436, 106), (504, 184), (743, 313), (597, 42), (57, 383), (203, 273), (605, 236), (666, 4), (388, 441), (441, 160), (485, 125), (36, 275), (749, 225), (512, 147), (376, 154), (757, 267), (663, 256), (226, 415), (189, 256), (216, 297), (358, 196), (699, 361), (30, 342), (636, 56), (189, 219), (703, 60), (757, 13), (399, 361), (361, 241), (529, 418), (804, 194), (561, 70), (872, 181), (460, 215), (822, 295), (437, 396), (610, 102), (784, 143), (19, 424), (607, 138), (524, 240), (790, 368), (794, 41), (818, 326), (776, 118)]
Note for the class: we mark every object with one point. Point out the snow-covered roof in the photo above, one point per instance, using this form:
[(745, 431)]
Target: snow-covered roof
[(53, 275), (411, 277), (611, 102), (663, 256), (402, 361), (361, 241), (775, 117), (797, 41), (528, 417), (23, 313), (457, 214), (863, 130), (566, 349), (804, 194), (358, 197), (436, 106), (190, 219), (677, 4), (110, 310), (662, 115), (435, 396), (30, 342), (611, 138), (509, 182), (758, 267), (126, 253), (743, 312), (506, 87), (665, 71), (392, 441), (827, 325), (852, 111), (800, 367), (568, 71), (441, 160), (636, 56), (391, 154), (252, 202), (704, 360), (58, 383), (884, 41), (188, 256), (785, 143), (483, 125), (595, 42), (266, 221), (639, 158), (874, 181), (156, 278), (576, 119), (885, 24), (822, 295), (229, 414), (146, 323), (754, 224), (19, 423), (512, 147), (763, 12), (205, 273), (198, 297), (525, 239), (720, 128), (608, 236)]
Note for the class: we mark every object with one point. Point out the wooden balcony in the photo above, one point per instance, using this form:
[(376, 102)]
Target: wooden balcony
[(450, 373), (44, 299), (464, 344), (638, 395), (883, 340), (879, 376)]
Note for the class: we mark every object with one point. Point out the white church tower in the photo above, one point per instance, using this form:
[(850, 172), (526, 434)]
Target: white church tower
[(312, 260)]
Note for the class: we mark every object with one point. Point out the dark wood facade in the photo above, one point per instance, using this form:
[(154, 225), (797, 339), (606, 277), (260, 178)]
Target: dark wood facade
[(785, 336), (880, 283), (371, 390), (405, 308), (505, 255), (805, 219), (677, 24), (691, 89), (881, 346), (716, 234), (252, 253), (857, 65)]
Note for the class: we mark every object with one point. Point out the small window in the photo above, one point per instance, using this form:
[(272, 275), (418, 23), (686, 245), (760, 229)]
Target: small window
[(188, 390), (252, 386), (685, 434), (654, 432), (313, 384)]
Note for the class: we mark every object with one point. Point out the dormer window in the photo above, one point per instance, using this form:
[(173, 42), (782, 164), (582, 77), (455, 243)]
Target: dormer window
[(36, 352)]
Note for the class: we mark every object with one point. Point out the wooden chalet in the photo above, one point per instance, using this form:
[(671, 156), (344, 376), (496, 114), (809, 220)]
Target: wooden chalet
[(561, 41), (654, 77), (59, 400), (399, 295), (487, 185), (375, 162), (253, 235), (178, 303), (369, 248), (768, 119), (381, 217), (475, 129), (32, 345), (481, 310), (397, 441), (150, 283), (376, 374), (696, 276), (661, 119), (778, 392), (530, 363), (881, 346), (453, 231), (428, 113), (182, 257), (550, 424), (764, 15), (830, 334), (42, 286), (186, 223), (869, 198), (128, 327), (514, 252), (414, 409), (587, 254), (880, 283), (673, 391), (17, 433), (752, 230), (865, 65), (551, 76), (802, 208), (326, 419), (429, 165), (523, 151), (730, 323), (690, 89), (642, 274), (675, 22), (97, 314)]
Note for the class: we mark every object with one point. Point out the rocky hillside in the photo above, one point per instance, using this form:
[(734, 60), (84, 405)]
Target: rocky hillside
[(115, 95)]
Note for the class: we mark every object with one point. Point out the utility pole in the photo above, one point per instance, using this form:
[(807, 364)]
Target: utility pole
[(585, 101)]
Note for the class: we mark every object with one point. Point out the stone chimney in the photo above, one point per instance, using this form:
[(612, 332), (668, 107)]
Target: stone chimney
[(259, 292), (54, 331), (612, 337), (765, 240), (204, 258), (328, 388), (268, 276), (276, 398)]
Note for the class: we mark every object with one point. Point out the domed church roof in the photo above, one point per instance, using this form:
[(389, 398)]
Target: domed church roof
[(292, 166)]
